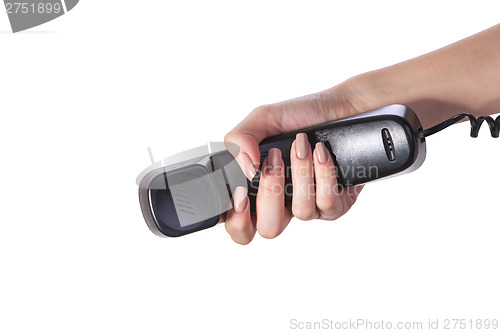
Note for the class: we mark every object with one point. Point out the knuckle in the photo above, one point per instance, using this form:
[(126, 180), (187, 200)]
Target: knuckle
[(330, 208), (303, 171), (328, 205), (271, 190), (269, 230), (242, 241), (267, 234), (229, 137), (304, 213), (262, 109), (268, 113), (326, 172), (304, 191), (236, 228), (330, 217)]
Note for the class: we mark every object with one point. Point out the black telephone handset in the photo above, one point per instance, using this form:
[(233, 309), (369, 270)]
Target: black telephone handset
[(195, 193), (369, 146)]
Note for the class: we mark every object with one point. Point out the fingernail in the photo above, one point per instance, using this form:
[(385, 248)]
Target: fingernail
[(302, 146), (240, 199), (322, 153), (273, 161), (247, 165)]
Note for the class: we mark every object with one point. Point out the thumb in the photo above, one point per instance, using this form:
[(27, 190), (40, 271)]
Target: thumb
[(248, 157), (247, 135)]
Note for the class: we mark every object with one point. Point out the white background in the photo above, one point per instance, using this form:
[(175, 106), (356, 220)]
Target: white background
[(82, 97)]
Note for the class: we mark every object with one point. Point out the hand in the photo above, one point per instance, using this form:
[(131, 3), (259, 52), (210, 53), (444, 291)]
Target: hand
[(461, 77), (309, 167)]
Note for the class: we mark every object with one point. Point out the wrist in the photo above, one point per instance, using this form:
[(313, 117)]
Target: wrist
[(414, 83), (399, 84)]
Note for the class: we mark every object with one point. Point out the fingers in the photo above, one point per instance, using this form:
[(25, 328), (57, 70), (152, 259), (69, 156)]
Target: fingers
[(327, 194), (239, 224), (315, 193), (269, 120), (247, 136), (272, 216), (304, 194), (315, 187), (249, 154), (331, 201)]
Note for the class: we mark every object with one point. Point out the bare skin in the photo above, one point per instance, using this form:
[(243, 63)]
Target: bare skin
[(461, 77)]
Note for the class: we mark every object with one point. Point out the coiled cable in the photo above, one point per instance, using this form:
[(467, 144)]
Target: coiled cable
[(475, 125)]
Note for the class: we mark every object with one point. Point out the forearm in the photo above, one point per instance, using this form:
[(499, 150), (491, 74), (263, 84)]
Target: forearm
[(461, 77)]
